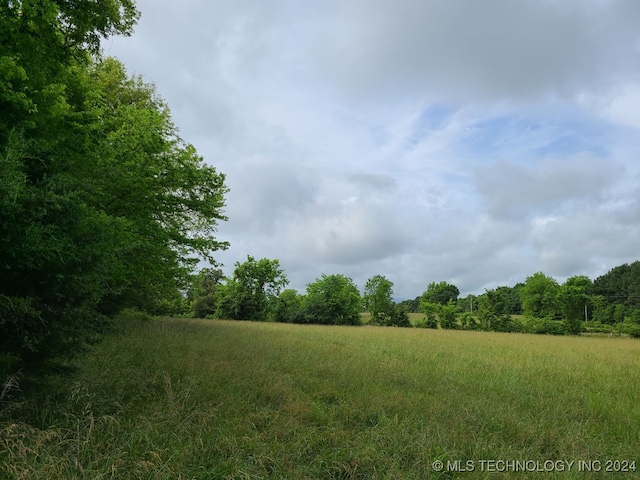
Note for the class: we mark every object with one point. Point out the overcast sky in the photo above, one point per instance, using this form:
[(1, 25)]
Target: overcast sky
[(476, 142)]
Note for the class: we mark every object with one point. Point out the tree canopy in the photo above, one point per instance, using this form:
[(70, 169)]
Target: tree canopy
[(102, 204), (378, 298), (441, 293), (254, 285), (539, 296), (333, 300)]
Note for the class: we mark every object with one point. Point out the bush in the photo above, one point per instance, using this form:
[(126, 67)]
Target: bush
[(448, 315), (429, 321), (399, 317), (573, 327), (597, 327), (504, 323), (132, 314), (631, 329), (546, 326), (204, 306)]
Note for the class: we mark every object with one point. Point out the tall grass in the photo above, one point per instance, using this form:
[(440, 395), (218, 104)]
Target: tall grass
[(215, 399)]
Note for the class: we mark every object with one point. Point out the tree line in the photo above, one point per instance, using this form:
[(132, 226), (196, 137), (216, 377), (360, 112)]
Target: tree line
[(256, 291), (102, 205)]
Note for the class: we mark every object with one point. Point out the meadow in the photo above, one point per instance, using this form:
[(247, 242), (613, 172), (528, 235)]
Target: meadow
[(213, 399)]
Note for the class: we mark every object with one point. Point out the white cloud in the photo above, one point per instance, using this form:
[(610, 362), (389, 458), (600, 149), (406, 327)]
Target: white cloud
[(473, 142)]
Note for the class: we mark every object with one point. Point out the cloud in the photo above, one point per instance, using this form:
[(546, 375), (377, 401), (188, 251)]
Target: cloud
[(466, 50), (512, 190), (472, 142)]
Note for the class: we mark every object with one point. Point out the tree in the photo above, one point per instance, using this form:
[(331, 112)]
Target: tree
[(378, 293), (412, 306), (203, 292), (574, 301), (102, 205), (539, 296), (288, 307), (441, 293), (333, 300), (620, 286), (511, 298), (447, 314), (254, 284), (399, 317), (430, 311), (492, 311)]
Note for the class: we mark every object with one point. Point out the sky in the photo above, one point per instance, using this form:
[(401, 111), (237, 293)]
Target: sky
[(424, 140)]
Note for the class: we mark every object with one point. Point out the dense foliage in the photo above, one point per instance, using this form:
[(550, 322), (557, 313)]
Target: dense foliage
[(102, 205), (378, 299), (254, 286), (539, 305)]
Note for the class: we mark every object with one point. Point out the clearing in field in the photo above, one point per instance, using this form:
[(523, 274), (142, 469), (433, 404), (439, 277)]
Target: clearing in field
[(209, 399)]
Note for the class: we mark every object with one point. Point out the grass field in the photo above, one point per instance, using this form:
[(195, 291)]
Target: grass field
[(187, 399)]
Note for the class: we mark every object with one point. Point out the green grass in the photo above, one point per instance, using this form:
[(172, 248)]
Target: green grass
[(185, 399)]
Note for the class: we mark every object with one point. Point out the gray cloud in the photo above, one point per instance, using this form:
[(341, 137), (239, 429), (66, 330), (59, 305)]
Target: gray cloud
[(473, 142), (497, 49), (513, 190)]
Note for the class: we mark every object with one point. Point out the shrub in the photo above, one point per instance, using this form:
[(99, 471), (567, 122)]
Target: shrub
[(399, 317), (573, 326), (132, 314), (631, 329), (546, 326), (204, 306), (597, 327)]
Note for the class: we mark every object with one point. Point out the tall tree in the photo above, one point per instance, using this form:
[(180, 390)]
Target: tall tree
[(333, 300), (539, 296), (288, 307), (620, 285), (102, 205), (574, 301), (378, 298), (441, 293), (254, 285), (202, 294)]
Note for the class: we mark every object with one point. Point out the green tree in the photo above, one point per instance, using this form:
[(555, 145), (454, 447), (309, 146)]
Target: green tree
[(619, 294), (411, 305), (333, 300), (448, 315), (288, 307), (511, 297), (468, 304), (203, 292), (378, 299), (102, 205), (492, 311), (399, 316), (441, 293), (574, 301), (539, 296), (430, 311), (254, 285)]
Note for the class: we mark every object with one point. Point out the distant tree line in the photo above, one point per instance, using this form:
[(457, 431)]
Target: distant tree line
[(103, 207), (256, 291)]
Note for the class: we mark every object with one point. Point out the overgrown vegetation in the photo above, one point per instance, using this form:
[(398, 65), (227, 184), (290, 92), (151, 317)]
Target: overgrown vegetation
[(539, 305), (196, 399), (102, 205)]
